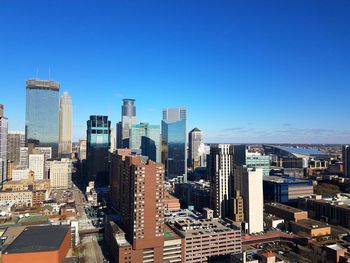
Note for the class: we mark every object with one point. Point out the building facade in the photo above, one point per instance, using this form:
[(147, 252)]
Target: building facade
[(285, 189), (137, 194), (195, 141), (346, 160), (249, 181), (147, 138), (61, 174), (65, 126), (98, 143), (37, 165), (174, 139), (128, 118), (3, 144), (220, 171), (42, 120), (15, 140)]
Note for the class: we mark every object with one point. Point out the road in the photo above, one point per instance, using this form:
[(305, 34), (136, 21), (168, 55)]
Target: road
[(91, 250)]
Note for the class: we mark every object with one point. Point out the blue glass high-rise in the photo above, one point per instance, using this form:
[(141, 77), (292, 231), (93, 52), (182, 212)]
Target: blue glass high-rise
[(174, 140), (42, 108), (98, 143)]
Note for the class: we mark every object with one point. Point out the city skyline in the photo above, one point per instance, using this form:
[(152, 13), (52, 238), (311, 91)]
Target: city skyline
[(246, 72)]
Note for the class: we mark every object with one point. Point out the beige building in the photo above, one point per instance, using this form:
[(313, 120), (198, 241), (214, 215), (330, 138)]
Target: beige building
[(24, 197), (61, 174), (65, 126)]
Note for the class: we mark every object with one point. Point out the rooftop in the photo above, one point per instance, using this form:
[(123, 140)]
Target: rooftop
[(311, 224), (38, 239), (302, 151), (286, 208), (280, 180)]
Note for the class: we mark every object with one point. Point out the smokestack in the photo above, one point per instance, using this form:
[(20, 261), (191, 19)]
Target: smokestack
[(1, 110)]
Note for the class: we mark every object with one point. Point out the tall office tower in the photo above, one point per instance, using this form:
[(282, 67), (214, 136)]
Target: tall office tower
[(42, 106), (128, 119), (195, 142), (113, 146), (147, 138), (220, 170), (65, 128), (98, 143), (119, 132), (37, 165), (250, 182), (15, 140), (137, 192), (3, 144), (61, 174), (82, 149), (174, 139), (47, 151), (346, 160), (23, 157)]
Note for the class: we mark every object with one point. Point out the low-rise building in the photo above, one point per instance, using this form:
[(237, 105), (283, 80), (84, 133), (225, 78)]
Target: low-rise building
[(39, 244), (286, 212), (22, 198), (286, 189), (311, 228), (207, 238)]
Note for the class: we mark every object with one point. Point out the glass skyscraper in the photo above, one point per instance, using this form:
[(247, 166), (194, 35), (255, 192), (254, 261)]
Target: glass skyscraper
[(98, 143), (42, 107), (174, 139), (128, 119), (147, 138), (3, 145)]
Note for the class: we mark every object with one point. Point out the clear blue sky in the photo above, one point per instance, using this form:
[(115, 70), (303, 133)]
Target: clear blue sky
[(247, 71)]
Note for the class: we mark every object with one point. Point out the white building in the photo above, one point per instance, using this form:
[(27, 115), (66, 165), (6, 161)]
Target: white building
[(82, 149), (195, 141), (18, 175), (250, 182), (61, 174), (220, 171), (37, 165), (47, 151), (65, 127)]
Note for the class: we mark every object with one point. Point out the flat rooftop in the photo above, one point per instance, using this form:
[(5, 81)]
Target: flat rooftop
[(311, 224), (285, 207), (38, 239), (281, 180), (199, 227)]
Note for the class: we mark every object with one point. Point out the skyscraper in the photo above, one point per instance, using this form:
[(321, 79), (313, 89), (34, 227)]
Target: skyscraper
[(346, 160), (250, 182), (15, 140), (220, 170), (42, 106), (147, 138), (174, 138), (65, 128), (3, 144), (137, 194), (195, 140), (128, 119), (98, 143)]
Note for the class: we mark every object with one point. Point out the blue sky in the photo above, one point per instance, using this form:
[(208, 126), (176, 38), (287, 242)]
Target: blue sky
[(247, 71)]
